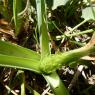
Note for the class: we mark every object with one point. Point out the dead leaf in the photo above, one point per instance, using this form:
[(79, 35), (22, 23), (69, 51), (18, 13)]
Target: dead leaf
[(3, 22), (9, 32)]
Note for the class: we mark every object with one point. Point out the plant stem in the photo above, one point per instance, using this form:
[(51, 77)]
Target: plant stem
[(57, 27), (56, 84), (84, 21), (26, 8), (76, 34), (54, 62), (9, 89), (23, 82)]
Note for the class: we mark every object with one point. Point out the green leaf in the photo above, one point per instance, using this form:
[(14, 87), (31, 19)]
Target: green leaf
[(19, 62), (16, 50), (51, 26), (42, 27), (87, 13), (17, 8), (44, 44), (35, 92)]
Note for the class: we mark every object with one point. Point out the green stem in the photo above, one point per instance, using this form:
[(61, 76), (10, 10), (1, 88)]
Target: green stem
[(54, 62), (84, 21), (23, 82), (10, 90), (81, 33), (26, 8), (57, 27), (76, 34), (56, 84)]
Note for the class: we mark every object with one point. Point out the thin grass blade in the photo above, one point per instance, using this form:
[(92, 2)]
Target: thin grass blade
[(42, 27), (17, 8)]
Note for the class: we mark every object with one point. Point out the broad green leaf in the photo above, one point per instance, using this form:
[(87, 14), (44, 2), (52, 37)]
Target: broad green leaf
[(19, 62), (16, 50), (87, 13), (56, 84), (42, 27)]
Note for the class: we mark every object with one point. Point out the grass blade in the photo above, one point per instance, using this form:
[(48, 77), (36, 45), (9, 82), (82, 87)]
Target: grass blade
[(17, 8), (42, 27)]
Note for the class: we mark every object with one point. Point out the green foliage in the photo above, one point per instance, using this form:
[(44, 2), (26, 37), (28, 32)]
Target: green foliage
[(44, 63), (56, 84), (42, 27), (19, 62), (17, 8), (87, 13), (45, 51), (53, 62), (16, 50)]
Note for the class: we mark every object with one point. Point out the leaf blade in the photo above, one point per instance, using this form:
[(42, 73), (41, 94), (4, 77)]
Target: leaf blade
[(16, 50), (20, 63), (17, 8), (42, 27)]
